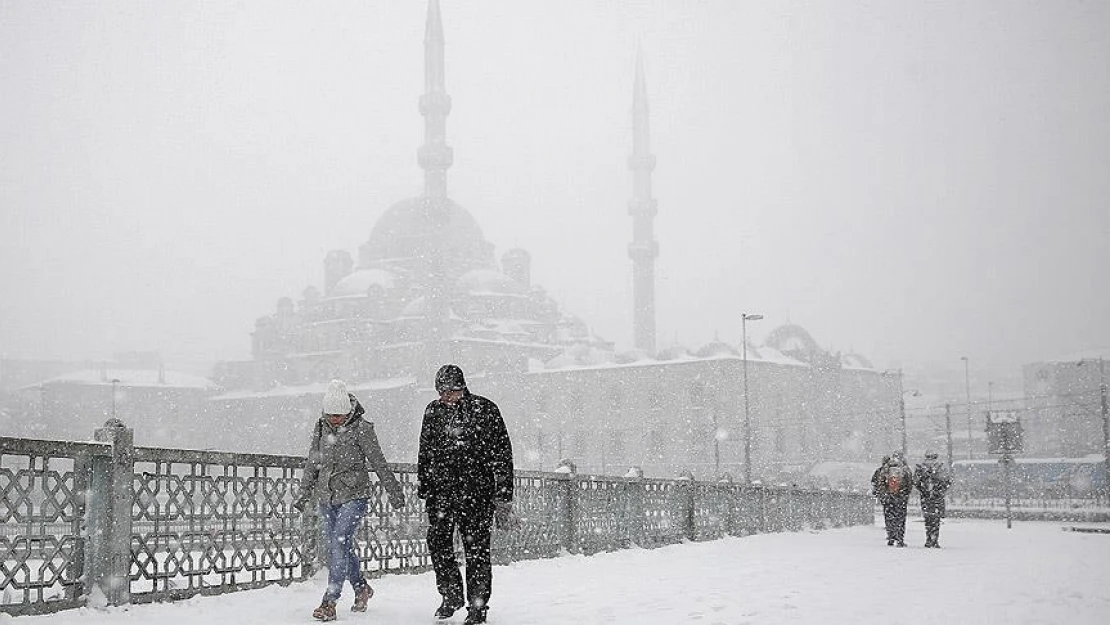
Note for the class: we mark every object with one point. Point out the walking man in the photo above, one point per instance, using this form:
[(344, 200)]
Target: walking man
[(932, 480), (465, 472)]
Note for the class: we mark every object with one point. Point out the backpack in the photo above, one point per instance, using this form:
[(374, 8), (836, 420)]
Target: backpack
[(893, 482)]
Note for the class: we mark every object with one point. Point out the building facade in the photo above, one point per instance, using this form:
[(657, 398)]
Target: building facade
[(1065, 412)]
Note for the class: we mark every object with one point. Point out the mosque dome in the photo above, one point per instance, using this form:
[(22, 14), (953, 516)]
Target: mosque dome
[(419, 228)]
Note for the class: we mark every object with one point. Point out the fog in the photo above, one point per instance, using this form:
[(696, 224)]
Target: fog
[(911, 181)]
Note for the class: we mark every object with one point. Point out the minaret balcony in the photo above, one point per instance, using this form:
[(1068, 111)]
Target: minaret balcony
[(435, 156), (643, 250), (641, 162), (643, 208), (436, 103)]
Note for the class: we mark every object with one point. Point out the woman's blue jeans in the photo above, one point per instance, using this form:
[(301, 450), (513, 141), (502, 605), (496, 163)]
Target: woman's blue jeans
[(340, 523)]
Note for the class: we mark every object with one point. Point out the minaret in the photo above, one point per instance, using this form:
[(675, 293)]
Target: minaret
[(435, 156), (644, 249)]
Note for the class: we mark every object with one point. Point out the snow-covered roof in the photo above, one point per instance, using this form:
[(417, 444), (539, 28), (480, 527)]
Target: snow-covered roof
[(766, 353), (1094, 353), (1090, 459), (133, 378), (317, 388)]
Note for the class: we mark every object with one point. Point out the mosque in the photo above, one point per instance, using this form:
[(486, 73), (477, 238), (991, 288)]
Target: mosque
[(426, 288)]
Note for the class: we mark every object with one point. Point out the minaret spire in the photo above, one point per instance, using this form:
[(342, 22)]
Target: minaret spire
[(644, 249), (435, 156)]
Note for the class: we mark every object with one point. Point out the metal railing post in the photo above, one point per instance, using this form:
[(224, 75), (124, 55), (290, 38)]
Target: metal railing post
[(634, 493), (108, 516), (687, 495), (568, 517)]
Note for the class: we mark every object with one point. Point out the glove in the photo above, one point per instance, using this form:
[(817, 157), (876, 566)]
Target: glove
[(503, 517), (397, 500)]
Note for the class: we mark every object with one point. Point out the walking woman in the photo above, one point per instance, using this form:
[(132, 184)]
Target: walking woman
[(336, 476)]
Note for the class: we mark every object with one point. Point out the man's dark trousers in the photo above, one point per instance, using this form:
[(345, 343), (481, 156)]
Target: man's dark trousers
[(474, 521), (894, 514)]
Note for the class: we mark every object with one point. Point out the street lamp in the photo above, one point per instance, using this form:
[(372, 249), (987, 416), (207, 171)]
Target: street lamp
[(967, 390), (902, 405), (744, 319), (902, 409)]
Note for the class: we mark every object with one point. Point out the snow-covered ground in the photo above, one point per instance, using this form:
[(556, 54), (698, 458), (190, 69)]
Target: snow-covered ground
[(1034, 573)]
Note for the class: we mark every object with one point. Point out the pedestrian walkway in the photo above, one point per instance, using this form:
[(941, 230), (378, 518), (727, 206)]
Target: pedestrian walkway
[(1034, 573)]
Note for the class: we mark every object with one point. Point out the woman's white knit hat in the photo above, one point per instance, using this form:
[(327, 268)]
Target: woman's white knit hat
[(336, 398)]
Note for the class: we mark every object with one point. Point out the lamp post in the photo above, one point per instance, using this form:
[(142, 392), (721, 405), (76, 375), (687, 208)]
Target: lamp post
[(902, 406), (744, 319), (902, 411), (967, 390), (115, 381)]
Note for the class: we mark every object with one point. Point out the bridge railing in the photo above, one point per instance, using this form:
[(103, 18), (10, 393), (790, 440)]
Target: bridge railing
[(108, 523)]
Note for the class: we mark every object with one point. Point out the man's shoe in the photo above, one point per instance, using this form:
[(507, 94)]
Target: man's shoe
[(448, 608), (326, 611), (362, 597), (890, 542), (901, 543), (474, 616)]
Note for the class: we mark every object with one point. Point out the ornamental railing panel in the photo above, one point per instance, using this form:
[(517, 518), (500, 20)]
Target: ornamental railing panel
[(211, 521), (391, 540), (43, 486), (540, 505), (664, 512), (602, 520)]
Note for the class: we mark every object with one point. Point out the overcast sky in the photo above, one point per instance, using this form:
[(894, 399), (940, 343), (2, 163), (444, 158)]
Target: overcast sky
[(911, 180)]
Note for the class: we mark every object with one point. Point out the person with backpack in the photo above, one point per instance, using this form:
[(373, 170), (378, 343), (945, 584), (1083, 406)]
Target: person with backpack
[(336, 475), (892, 484), (932, 480)]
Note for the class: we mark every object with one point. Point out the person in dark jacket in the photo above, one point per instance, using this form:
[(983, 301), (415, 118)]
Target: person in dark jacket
[(465, 473), (336, 476), (892, 484), (932, 480)]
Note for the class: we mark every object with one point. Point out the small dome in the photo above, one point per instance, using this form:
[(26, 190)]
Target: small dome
[(676, 352), (360, 281), (717, 348)]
